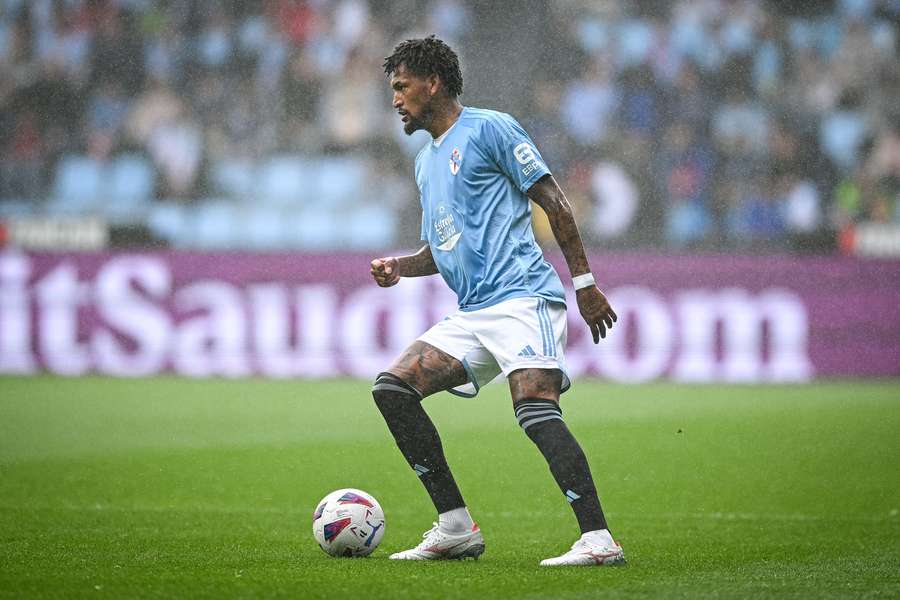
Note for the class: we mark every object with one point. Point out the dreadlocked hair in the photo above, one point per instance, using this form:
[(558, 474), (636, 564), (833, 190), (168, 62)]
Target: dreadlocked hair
[(428, 56)]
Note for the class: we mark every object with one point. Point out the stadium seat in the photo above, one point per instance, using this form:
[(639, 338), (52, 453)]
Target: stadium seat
[(234, 178), (339, 181), (77, 186), (368, 228), (262, 228), (213, 225), (168, 221), (129, 185), (283, 181), (10, 208), (314, 229)]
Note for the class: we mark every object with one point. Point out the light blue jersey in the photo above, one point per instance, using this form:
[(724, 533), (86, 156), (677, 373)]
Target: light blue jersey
[(475, 214)]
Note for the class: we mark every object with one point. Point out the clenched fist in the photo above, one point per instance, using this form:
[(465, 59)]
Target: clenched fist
[(386, 271)]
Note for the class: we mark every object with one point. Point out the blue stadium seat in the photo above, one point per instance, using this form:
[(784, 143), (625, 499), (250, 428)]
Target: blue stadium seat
[(340, 181), (129, 186), (77, 186), (262, 228), (214, 225), (283, 181), (368, 228), (13, 208), (314, 229), (234, 178), (169, 221)]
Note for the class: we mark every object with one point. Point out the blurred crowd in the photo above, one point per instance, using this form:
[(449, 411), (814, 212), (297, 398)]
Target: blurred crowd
[(719, 124), (735, 124)]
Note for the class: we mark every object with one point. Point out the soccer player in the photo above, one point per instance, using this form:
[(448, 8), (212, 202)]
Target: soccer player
[(475, 178)]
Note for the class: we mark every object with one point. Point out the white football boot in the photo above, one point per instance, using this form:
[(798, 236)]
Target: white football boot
[(439, 545), (589, 551)]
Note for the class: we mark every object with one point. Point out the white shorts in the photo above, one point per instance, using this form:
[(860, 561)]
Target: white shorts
[(522, 333)]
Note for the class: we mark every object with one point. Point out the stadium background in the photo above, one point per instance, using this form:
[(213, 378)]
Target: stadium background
[(196, 188), (753, 126)]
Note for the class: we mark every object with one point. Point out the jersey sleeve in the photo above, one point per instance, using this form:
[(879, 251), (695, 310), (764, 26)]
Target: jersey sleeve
[(424, 234), (512, 149)]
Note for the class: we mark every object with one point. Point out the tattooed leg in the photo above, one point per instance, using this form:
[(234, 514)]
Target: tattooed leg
[(420, 371), (535, 395), (544, 384), (428, 369)]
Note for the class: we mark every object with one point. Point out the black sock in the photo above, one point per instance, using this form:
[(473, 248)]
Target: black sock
[(401, 406), (543, 423)]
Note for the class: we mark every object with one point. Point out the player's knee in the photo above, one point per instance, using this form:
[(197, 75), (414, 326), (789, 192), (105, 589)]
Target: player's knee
[(390, 390)]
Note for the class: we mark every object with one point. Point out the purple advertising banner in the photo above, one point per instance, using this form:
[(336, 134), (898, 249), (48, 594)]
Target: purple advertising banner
[(683, 318)]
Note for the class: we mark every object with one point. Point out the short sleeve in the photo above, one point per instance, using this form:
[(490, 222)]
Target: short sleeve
[(513, 150)]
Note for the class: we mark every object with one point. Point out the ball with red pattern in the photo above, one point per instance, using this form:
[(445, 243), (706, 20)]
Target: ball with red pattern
[(348, 522)]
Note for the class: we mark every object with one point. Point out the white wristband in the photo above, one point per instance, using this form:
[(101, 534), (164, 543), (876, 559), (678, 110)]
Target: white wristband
[(583, 281)]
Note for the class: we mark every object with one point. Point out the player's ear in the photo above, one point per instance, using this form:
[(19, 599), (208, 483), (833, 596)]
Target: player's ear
[(434, 84)]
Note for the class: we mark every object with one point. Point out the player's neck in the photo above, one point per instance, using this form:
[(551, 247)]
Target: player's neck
[(444, 118)]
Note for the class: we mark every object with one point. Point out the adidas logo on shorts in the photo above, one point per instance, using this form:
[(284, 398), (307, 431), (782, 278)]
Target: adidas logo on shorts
[(527, 351)]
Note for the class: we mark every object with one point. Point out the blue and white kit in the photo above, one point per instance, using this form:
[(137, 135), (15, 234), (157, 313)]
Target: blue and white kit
[(477, 220)]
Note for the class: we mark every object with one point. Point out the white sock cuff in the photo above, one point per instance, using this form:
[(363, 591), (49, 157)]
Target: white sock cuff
[(457, 520), (598, 536)]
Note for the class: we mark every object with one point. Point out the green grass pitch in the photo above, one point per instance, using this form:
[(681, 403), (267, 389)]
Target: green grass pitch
[(176, 488)]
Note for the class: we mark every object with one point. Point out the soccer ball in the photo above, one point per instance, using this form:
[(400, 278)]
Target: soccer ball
[(348, 522)]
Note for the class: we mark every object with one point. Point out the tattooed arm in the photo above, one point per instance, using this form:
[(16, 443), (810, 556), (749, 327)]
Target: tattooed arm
[(388, 270), (594, 306)]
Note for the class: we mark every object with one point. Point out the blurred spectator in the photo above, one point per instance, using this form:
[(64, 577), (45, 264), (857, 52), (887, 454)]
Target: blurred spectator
[(590, 102), (843, 132), (350, 115), (155, 106), (640, 105), (740, 125), (301, 100), (542, 120), (215, 42), (884, 160), (615, 201), (453, 18), (22, 157), (689, 100), (801, 205), (685, 164), (176, 146), (792, 167), (296, 18), (755, 215), (106, 113), (116, 53)]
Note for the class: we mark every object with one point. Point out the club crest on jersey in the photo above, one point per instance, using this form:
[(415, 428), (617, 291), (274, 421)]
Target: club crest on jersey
[(455, 161)]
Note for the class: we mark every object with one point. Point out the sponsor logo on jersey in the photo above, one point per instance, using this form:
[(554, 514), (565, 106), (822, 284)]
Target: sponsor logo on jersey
[(448, 226), (525, 155)]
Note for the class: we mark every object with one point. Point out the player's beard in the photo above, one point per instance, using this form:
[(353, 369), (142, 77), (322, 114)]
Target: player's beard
[(421, 122)]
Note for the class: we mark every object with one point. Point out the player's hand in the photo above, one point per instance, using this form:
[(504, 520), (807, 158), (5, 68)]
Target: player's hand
[(386, 271), (596, 311)]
